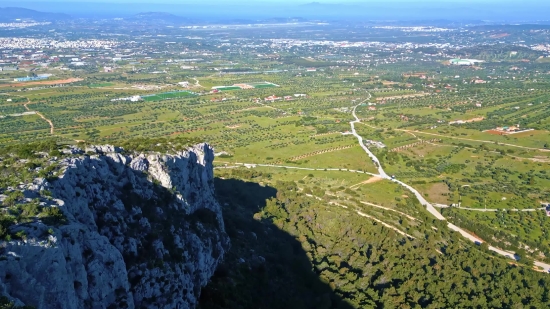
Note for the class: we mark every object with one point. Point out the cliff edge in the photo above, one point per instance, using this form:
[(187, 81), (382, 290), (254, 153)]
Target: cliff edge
[(117, 230)]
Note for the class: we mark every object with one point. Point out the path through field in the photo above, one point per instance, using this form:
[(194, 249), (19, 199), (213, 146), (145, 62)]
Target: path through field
[(41, 116), (474, 140), (197, 82), (367, 216), (37, 113)]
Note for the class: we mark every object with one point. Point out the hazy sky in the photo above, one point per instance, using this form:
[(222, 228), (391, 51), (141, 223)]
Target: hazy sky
[(495, 10), (280, 1), (439, 3)]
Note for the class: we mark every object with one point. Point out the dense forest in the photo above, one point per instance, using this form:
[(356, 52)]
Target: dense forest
[(292, 251)]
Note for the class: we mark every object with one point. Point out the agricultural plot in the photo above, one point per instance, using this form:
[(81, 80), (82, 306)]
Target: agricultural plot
[(446, 163), (227, 88), (99, 85), (241, 86), (263, 85), (167, 96)]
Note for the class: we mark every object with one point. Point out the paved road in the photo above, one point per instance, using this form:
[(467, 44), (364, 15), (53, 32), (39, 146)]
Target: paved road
[(431, 209), (508, 254), (374, 159), (383, 174), (488, 209)]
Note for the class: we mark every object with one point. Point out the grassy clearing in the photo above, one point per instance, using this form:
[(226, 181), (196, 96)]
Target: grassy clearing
[(99, 85)]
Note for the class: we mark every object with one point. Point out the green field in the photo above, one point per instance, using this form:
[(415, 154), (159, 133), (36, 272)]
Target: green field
[(311, 222), (256, 85), (98, 85), (227, 88), (167, 95), (260, 85), (446, 163), (264, 86)]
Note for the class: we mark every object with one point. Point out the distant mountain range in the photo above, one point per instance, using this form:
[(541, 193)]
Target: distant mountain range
[(454, 11), (12, 13)]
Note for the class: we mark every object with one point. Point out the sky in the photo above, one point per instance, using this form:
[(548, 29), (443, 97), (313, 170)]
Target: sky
[(500, 10), (278, 1)]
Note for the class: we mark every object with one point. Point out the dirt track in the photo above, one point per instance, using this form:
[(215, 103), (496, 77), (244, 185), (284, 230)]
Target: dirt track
[(41, 116), (474, 140)]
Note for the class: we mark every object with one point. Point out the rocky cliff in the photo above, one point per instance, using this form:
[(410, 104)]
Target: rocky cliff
[(135, 231)]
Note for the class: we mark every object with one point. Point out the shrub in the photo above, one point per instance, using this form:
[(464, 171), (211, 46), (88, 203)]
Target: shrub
[(21, 235), (52, 216), (13, 198)]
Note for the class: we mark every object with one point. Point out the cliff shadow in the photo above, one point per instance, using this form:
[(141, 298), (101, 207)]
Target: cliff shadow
[(266, 267)]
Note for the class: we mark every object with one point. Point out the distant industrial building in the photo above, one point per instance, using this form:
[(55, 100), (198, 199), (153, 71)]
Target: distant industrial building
[(32, 78), (464, 61), (8, 69)]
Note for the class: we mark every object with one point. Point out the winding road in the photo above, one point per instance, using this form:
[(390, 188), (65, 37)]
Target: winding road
[(374, 159), (381, 171), (431, 209), (382, 174), (490, 209)]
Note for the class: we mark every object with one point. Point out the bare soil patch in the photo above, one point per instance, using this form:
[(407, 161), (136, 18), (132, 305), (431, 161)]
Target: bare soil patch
[(374, 179), (495, 132), (435, 192)]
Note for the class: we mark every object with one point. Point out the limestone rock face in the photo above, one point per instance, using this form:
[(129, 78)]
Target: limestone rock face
[(140, 231)]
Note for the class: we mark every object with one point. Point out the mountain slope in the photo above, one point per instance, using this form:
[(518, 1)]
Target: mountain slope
[(116, 231), (13, 13)]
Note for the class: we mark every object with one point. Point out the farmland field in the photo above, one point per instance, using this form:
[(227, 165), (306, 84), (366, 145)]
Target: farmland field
[(98, 85), (262, 85), (226, 88), (354, 166), (246, 85), (167, 95)]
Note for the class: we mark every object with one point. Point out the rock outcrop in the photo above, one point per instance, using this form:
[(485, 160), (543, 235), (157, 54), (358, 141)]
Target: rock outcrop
[(136, 231)]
